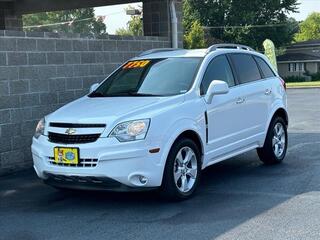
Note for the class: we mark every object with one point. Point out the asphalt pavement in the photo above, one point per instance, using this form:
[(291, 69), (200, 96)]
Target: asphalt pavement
[(238, 199)]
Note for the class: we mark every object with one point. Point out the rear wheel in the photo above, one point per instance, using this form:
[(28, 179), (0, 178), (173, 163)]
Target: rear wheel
[(275, 146), (182, 171)]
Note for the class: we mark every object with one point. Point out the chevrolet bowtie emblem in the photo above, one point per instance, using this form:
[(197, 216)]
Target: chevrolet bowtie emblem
[(70, 131)]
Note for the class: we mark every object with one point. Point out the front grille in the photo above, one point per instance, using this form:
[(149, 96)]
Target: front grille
[(76, 125), (72, 139), (82, 163)]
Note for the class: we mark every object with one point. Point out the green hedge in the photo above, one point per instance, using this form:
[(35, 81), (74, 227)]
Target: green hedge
[(315, 77), (294, 79)]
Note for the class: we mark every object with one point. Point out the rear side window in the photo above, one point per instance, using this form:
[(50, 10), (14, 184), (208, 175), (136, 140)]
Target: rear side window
[(218, 69), (246, 68), (266, 70)]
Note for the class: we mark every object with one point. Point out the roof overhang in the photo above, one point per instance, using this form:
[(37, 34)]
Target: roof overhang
[(306, 45), (300, 61), (33, 6)]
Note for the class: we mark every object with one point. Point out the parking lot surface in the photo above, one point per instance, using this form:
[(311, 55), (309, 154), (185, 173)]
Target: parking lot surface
[(238, 199)]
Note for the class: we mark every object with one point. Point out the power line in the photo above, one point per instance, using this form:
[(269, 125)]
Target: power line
[(254, 26), (103, 17), (247, 26)]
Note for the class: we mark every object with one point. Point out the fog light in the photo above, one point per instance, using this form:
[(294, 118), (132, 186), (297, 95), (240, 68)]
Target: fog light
[(143, 179), (137, 179)]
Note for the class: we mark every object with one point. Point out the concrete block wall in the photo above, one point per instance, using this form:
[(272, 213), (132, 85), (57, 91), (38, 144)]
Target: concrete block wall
[(156, 19), (39, 72)]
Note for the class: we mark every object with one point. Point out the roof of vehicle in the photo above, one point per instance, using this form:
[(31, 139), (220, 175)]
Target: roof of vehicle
[(170, 52), (174, 53)]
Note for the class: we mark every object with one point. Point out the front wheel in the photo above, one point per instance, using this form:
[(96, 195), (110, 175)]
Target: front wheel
[(275, 146), (182, 171)]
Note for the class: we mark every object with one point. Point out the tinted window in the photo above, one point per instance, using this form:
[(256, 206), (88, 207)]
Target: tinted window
[(266, 70), (150, 77), (218, 69), (246, 67)]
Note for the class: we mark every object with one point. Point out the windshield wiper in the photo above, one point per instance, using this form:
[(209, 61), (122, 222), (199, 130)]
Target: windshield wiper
[(131, 94), (143, 94), (123, 94)]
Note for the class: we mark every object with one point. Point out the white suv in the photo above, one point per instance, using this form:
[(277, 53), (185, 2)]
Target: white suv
[(162, 117)]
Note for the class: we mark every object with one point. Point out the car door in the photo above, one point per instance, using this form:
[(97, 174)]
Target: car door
[(254, 103), (268, 85), (224, 113)]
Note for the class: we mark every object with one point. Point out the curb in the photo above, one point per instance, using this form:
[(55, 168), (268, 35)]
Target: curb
[(304, 87)]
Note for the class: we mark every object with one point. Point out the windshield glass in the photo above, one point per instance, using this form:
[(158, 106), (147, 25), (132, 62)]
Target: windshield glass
[(150, 77)]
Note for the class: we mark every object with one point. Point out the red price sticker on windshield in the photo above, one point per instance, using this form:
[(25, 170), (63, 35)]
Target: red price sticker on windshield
[(136, 64)]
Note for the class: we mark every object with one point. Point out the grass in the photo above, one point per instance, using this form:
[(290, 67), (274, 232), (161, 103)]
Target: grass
[(303, 84)]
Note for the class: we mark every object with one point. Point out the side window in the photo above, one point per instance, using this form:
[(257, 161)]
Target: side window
[(266, 70), (218, 69), (246, 67)]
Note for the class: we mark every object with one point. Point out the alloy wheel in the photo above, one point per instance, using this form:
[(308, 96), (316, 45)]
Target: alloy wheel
[(185, 169), (278, 140)]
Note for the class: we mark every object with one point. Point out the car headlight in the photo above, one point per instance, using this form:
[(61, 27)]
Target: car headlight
[(40, 128), (131, 130)]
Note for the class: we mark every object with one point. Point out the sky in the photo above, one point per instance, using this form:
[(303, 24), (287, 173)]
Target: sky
[(117, 18), (305, 8)]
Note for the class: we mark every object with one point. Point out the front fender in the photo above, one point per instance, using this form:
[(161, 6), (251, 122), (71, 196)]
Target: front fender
[(177, 129)]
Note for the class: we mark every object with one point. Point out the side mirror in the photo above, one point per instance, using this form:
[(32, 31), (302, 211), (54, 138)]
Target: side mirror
[(216, 87), (93, 87)]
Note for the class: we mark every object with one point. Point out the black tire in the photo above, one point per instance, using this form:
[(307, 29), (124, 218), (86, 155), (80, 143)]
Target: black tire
[(169, 189), (266, 153)]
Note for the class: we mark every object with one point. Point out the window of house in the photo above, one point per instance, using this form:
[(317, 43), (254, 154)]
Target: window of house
[(296, 67), (290, 65)]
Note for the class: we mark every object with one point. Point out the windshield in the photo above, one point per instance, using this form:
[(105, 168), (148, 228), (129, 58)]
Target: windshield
[(150, 77)]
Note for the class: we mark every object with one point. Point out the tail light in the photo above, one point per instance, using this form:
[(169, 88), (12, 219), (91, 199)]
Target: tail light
[(283, 83)]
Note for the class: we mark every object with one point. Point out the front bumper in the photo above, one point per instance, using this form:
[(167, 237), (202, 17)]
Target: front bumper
[(122, 163), (90, 183)]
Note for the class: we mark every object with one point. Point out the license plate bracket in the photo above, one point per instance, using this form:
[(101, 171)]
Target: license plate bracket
[(66, 155)]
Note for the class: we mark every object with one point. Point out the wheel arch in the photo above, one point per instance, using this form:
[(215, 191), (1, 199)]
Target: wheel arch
[(190, 134), (281, 112), (194, 136), (177, 132)]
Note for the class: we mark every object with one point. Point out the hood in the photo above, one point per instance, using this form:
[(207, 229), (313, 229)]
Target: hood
[(109, 109)]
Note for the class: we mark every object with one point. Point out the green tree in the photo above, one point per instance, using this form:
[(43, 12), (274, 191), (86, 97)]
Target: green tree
[(195, 37), (134, 27), (70, 21), (309, 28), (244, 21), (189, 15)]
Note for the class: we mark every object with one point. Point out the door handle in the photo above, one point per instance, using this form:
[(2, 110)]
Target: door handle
[(240, 100), (268, 92)]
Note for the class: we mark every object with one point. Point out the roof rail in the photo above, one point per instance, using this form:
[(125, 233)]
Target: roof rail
[(157, 50), (228, 45)]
